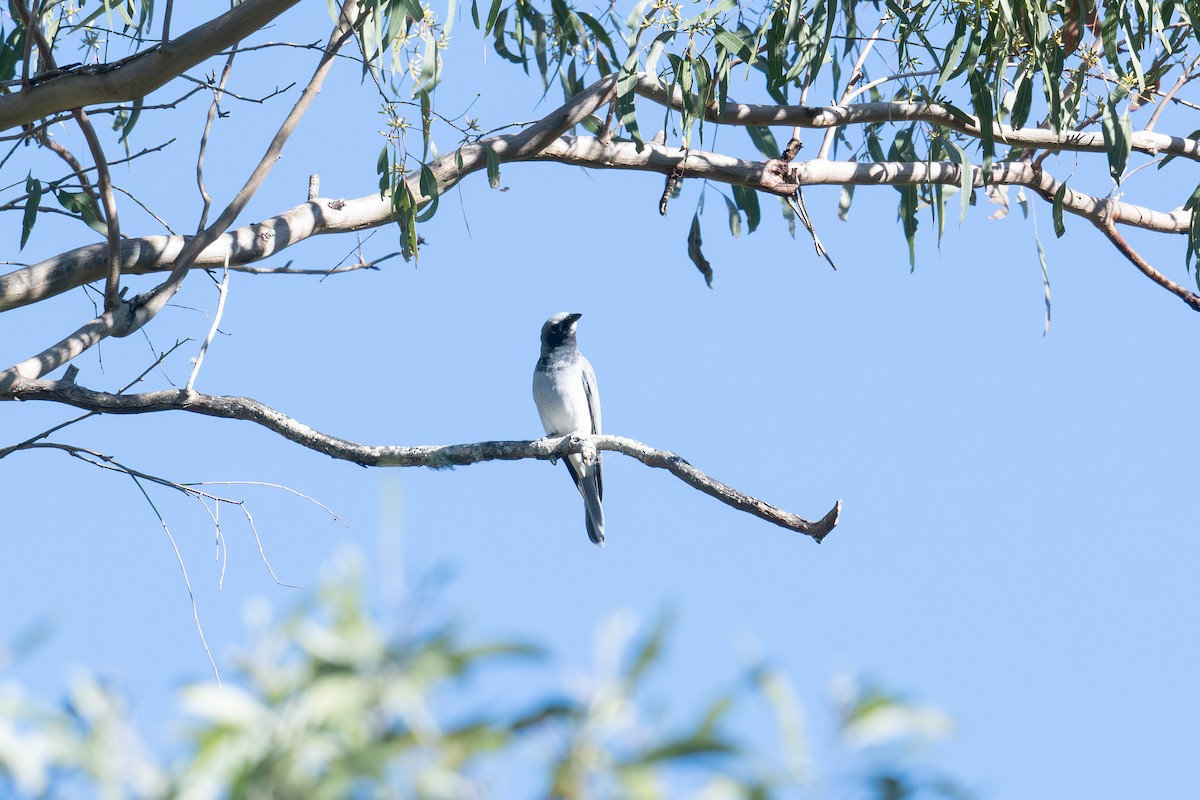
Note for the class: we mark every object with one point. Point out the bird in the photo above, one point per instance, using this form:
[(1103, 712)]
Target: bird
[(564, 390)]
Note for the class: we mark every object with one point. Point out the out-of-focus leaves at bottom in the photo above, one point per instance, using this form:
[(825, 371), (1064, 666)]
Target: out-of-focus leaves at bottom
[(327, 704)]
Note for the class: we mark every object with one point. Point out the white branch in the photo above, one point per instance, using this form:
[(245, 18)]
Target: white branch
[(325, 216), (835, 116)]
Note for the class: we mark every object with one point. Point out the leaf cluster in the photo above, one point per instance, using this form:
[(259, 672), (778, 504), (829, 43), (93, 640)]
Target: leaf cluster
[(328, 704)]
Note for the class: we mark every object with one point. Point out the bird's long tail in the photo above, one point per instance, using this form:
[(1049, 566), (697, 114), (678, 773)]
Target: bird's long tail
[(593, 511), (587, 480)]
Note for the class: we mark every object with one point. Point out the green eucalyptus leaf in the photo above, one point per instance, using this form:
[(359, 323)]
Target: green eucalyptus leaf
[(1022, 100), (966, 176), (981, 101), (493, 168), (429, 188), (735, 217), (958, 43), (764, 141), (747, 200), (734, 43), (845, 199), (1057, 210), (1118, 132), (33, 190), (694, 252), (1193, 242), (492, 17)]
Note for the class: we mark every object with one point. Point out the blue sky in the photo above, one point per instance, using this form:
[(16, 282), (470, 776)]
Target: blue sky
[(1018, 538)]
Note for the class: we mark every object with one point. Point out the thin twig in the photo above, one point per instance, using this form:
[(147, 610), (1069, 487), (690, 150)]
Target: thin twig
[(337, 517), (149, 211), (44, 434), (856, 74), (223, 292), (142, 73), (866, 87), (262, 553), (130, 317), (1184, 78), (112, 286), (214, 108), (186, 581)]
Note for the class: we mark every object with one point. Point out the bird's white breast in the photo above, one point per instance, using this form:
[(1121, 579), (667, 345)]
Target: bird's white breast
[(561, 400)]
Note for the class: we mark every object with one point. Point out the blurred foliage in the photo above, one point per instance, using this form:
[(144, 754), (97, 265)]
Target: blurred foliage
[(326, 704)]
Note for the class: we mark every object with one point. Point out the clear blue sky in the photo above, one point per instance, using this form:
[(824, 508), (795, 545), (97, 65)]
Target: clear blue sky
[(1018, 543)]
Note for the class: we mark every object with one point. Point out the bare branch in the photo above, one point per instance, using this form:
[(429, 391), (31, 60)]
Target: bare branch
[(132, 315), (213, 109), (112, 286), (1105, 224), (324, 216), (258, 241), (25, 445), (142, 73), (776, 177), (186, 581), (436, 457)]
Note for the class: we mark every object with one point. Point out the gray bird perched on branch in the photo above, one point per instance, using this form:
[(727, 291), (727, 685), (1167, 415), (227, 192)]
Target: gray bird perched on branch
[(564, 389)]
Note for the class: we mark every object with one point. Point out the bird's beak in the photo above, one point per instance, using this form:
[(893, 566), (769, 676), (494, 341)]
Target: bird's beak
[(573, 318)]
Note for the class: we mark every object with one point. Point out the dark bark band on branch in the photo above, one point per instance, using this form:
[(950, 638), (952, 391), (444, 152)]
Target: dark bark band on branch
[(436, 457)]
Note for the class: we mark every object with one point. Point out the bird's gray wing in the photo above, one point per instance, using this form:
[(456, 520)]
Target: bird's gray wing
[(593, 399)]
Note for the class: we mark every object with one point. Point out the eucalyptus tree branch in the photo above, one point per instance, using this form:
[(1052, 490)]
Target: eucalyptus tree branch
[(141, 73), (256, 242), (131, 315), (260, 240), (870, 113), (776, 177), (436, 457)]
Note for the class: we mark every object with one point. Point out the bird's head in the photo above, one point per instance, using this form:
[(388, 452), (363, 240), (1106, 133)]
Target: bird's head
[(559, 330)]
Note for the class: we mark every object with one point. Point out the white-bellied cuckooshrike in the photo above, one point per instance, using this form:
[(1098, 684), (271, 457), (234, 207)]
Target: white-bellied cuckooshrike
[(564, 389)]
